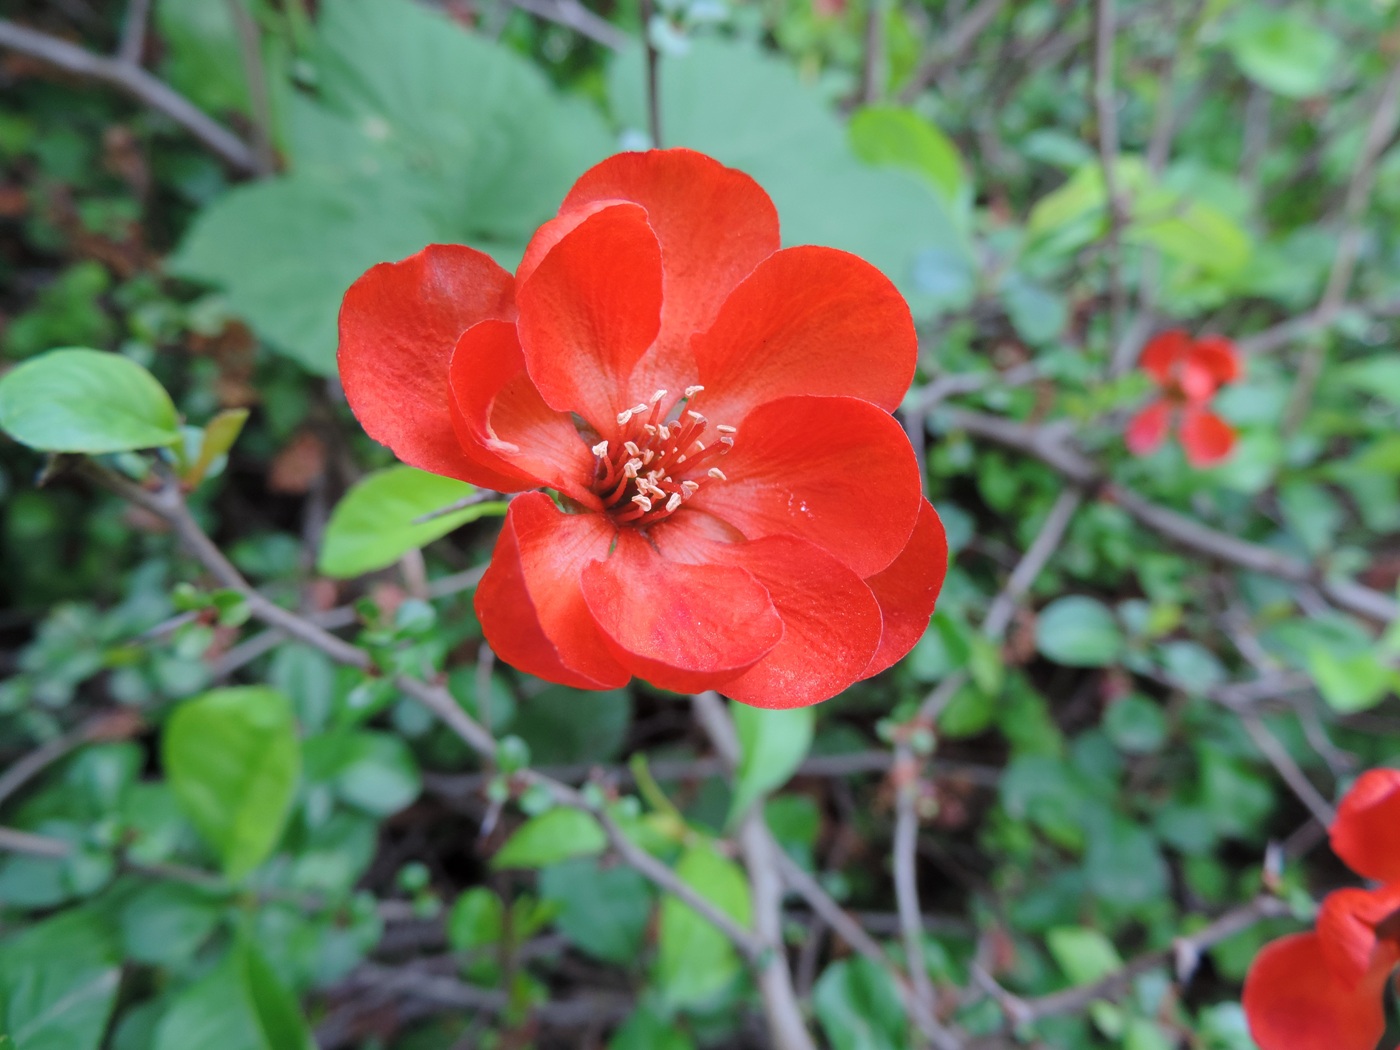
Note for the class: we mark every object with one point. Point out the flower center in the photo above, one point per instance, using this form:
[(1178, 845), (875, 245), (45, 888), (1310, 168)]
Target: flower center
[(657, 463)]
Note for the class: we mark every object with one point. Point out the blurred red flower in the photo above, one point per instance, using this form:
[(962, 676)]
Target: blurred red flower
[(1188, 372), (736, 508), (1324, 990)]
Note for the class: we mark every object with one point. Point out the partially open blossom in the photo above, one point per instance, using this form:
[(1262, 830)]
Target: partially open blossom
[(1324, 990), (1188, 372), (735, 507)]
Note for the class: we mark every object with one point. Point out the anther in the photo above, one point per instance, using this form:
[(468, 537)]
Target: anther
[(695, 416), (623, 418), (656, 397), (642, 502), (649, 429), (601, 449), (630, 446), (691, 391), (663, 432), (631, 467), (689, 488), (717, 474), (673, 502), (725, 428)]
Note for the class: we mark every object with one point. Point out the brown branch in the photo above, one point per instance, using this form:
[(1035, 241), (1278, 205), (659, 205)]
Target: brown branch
[(950, 47), (572, 15), (168, 504), (1043, 444), (1105, 105), (137, 83), (1041, 550), (259, 104)]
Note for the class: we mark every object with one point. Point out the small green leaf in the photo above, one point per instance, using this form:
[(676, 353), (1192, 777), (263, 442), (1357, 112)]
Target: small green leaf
[(219, 435), (695, 962), (374, 525), (232, 759), (900, 138), (77, 400), (1078, 631), (859, 1007), (772, 745), (603, 910), (554, 835), (476, 920), (1135, 724), (374, 771), (1084, 954), (1284, 51), (1352, 683)]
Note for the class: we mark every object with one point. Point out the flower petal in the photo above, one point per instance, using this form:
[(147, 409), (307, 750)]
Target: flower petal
[(1293, 1002), (1206, 437), (529, 602), (831, 624), (681, 626), (714, 224), (833, 470), (907, 589), (1148, 429), (1162, 353), (1366, 833), (1219, 357), (398, 326), (589, 311), (504, 423), (807, 321), (1354, 931)]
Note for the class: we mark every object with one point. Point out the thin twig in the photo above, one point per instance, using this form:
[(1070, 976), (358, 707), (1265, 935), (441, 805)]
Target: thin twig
[(572, 15), (250, 50), (903, 860), (1042, 548), (1378, 132), (1106, 108), (653, 62), (115, 725), (950, 47), (136, 82), (872, 76), (133, 40)]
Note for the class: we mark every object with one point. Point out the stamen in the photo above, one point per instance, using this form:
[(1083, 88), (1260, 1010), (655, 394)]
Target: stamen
[(673, 502), (695, 416), (630, 446), (727, 441), (601, 449), (691, 391), (689, 488), (725, 428), (717, 474), (656, 397), (642, 502)]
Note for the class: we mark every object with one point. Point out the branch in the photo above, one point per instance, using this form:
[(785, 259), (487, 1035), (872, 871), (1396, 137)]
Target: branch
[(136, 82), (1041, 550), (951, 46), (1043, 444), (1107, 112), (572, 15), (168, 504)]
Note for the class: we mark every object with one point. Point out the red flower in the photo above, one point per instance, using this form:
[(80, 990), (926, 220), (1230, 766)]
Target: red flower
[(737, 510), (1324, 990), (1189, 372)]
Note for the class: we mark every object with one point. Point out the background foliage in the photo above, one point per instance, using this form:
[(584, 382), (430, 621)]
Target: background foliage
[(1094, 788)]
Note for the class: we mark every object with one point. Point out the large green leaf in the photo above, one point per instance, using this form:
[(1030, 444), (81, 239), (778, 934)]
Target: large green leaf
[(771, 744), (554, 835), (695, 962), (1283, 50), (859, 1007), (232, 759), (373, 526), (1078, 631), (417, 134), (603, 910), (751, 111), (77, 400), (58, 983), (900, 138), (238, 1005)]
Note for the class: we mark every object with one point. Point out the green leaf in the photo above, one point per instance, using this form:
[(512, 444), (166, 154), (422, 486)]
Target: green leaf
[(477, 919), (772, 744), (238, 1005), (374, 771), (202, 59), (750, 110), (603, 910), (695, 962), (232, 760), (219, 435), (416, 135), (1124, 865), (1353, 683), (1284, 51), (165, 923), (859, 1007), (1378, 376), (900, 138), (646, 1029), (77, 400), (563, 725), (58, 983), (1135, 724), (554, 835), (1085, 955), (373, 526), (1078, 631)]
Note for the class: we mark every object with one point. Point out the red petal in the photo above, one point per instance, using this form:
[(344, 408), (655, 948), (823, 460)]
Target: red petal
[(1162, 352), (684, 627), (1148, 429), (833, 470), (1366, 833), (1293, 1002), (831, 624), (908, 589), (398, 326), (1347, 931), (505, 424), (529, 602), (589, 311), (714, 224), (1206, 437), (807, 321), (1218, 356)]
